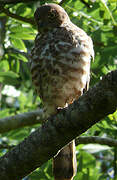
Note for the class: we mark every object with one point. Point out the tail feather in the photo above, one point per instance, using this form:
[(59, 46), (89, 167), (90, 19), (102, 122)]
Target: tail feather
[(64, 164)]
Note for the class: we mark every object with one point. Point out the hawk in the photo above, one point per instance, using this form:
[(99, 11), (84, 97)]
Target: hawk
[(60, 68)]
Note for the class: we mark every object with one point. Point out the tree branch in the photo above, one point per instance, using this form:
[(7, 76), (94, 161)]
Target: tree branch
[(80, 140), (15, 16), (60, 129), (21, 120), (96, 140)]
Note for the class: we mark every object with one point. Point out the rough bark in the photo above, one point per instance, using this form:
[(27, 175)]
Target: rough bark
[(60, 129)]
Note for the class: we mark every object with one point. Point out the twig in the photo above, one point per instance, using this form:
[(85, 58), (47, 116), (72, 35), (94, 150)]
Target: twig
[(109, 12), (96, 140), (15, 1), (15, 16)]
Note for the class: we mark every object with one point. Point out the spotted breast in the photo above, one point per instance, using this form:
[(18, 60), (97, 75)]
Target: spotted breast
[(60, 68)]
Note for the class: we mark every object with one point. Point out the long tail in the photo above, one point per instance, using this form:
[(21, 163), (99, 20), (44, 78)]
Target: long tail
[(64, 164)]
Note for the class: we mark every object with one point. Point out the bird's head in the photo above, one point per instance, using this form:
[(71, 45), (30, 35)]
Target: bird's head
[(50, 16)]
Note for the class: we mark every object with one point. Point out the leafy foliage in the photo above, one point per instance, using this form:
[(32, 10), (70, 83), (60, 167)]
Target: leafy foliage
[(99, 20)]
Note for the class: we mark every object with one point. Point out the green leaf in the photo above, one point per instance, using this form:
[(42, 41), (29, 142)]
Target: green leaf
[(18, 44), (22, 35), (9, 73), (9, 78), (4, 65), (19, 56), (4, 113), (22, 58), (18, 134), (20, 29)]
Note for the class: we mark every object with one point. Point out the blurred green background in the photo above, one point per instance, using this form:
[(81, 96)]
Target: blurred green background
[(17, 95)]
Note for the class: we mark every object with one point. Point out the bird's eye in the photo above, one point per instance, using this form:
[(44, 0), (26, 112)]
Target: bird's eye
[(51, 16)]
